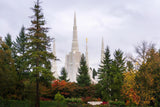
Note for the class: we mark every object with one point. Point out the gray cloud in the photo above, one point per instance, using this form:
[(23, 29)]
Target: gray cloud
[(122, 23)]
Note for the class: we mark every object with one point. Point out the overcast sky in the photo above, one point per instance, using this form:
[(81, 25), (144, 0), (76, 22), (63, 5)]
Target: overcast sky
[(122, 23)]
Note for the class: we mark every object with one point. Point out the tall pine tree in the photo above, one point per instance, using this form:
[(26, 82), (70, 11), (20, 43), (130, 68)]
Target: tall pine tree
[(83, 78), (118, 67), (19, 47), (38, 45), (105, 76)]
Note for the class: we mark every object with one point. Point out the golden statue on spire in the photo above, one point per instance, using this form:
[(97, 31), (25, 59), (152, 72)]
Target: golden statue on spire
[(86, 40)]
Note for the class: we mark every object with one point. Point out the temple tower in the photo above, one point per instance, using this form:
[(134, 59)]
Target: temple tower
[(54, 64), (72, 60), (102, 51), (75, 40), (90, 72), (87, 61)]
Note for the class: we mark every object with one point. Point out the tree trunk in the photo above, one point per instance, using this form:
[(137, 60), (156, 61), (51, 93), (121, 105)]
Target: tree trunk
[(37, 92)]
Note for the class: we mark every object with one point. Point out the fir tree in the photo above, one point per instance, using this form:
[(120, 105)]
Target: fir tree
[(118, 67), (20, 48), (63, 75), (105, 76), (8, 41), (94, 73), (83, 78), (38, 45), (20, 43)]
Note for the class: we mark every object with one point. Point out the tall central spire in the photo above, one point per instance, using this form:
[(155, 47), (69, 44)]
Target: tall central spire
[(75, 40), (87, 52), (54, 64), (75, 19), (102, 50)]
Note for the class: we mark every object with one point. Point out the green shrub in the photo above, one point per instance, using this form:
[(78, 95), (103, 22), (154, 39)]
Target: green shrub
[(59, 98)]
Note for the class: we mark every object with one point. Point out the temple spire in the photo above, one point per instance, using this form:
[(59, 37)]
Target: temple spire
[(54, 47), (75, 19), (102, 50), (75, 47), (54, 64), (87, 52)]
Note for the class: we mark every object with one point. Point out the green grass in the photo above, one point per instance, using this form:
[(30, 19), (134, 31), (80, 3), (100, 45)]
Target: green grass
[(14, 103), (52, 104)]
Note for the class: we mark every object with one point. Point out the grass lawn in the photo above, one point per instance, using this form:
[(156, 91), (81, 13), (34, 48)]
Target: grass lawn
[(14, 103)]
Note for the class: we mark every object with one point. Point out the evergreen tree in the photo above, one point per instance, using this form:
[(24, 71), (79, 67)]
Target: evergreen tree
[(8, 41), (105, 76), (94, 73), (20, 43), (63, 75), (83, 78), (118, 67), (20, 61), (20, 48), (38, 45)]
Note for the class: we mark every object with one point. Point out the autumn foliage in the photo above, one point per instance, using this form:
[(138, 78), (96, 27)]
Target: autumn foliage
[(128, 91), (65, 88), (71, 89)]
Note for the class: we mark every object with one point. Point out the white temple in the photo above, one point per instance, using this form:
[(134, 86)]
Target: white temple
[(72, 59)]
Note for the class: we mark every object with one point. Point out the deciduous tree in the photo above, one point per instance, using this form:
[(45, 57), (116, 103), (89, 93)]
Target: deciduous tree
[(7, 71), (147, 78)]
